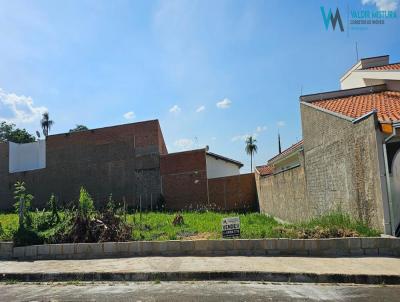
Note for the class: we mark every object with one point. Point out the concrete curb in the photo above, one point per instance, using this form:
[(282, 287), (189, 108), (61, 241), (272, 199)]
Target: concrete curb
[(335, 247), (203, 276)]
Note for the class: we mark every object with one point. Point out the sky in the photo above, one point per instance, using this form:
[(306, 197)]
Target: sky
[(212, 71)]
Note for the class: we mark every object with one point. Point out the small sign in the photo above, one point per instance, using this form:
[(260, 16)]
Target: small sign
[(230, 227)]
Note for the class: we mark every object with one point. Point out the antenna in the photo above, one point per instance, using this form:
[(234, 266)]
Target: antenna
[(279, 143), (357, 51)]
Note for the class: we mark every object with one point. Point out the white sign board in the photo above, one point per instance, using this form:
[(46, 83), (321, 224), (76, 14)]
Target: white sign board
[(230, 227)]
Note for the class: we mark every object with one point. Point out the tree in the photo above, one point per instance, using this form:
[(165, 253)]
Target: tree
[(8, 133), (79, 128), (251, 148), (46, 123)]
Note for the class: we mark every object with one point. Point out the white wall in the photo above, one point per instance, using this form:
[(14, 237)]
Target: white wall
[(27, 157), (220, 168)]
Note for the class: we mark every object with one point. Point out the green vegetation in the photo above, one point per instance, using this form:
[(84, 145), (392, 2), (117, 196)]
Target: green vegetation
[(84, 223), (8, 133), (207, 225)]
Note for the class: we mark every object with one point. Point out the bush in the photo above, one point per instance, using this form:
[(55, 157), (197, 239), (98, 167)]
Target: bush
[(85, 206)]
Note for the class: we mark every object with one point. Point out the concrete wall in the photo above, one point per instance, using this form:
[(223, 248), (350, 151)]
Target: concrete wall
[(217, 167), (283, 195), (184, 179), (342, 165), (233, 193), (122, 160)]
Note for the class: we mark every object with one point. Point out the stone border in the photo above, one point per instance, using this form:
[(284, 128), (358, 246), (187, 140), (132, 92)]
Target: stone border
[(335, 247), (201, 276)]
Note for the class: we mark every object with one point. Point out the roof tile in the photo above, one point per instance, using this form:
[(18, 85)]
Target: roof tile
[(394, 66), (387, 104)]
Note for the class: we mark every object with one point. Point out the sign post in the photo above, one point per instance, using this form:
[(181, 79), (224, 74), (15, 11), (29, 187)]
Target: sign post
[(230, 227)]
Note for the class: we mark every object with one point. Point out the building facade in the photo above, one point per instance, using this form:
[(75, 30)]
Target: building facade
[(347, 158), (129, 162)]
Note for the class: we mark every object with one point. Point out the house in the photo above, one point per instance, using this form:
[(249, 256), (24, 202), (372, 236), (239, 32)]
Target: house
[(348, 157), (129, 161)]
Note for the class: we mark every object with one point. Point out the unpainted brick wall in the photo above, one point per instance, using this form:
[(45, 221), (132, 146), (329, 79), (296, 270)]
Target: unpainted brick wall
[(184, 179), (233, 193), (120, 160)]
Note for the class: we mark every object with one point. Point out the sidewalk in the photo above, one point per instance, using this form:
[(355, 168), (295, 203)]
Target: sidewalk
[(368, 270)]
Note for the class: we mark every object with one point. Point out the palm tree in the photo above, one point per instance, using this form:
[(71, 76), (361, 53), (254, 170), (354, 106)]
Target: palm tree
[(46, 123), (251, 148)]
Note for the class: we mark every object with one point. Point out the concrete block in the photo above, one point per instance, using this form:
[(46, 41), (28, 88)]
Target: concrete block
[(273, 252), (340, 243), (147, 248), (43, 250), (221, 245), (326, 244), (271, 244), (311, 244), (19, 252), (134, 248), (386, 252), (329, 252), (110, 247), (122, 247), (356, 252), (242, 244), (369, 243), (56, 249), (371, 252), (201, 245), (187, 246), (282, 244), (69, 248), (395, 243), (354, 243), (297, 245), (6, 248), (90, 249), (173, 246), (31, 251)]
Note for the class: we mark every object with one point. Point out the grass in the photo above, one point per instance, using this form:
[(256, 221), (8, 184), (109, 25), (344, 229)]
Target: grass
[(207, 225)]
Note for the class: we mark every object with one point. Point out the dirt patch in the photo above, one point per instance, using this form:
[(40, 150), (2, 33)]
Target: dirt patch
[(200, 236)]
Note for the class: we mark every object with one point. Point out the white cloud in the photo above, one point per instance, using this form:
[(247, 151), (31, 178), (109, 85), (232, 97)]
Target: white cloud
[(213, 138), (261, 128), (201, 108), (224, 104), (184, 143), (129, 115), (383, 4), (281, 124), (175, 109), (21, 107), (242, 137)]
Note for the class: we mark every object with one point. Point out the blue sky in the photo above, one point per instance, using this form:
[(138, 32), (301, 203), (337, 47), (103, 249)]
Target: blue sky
[(212, 72)]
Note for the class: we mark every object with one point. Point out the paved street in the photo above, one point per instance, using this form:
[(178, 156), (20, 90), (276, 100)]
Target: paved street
[(195, 291)]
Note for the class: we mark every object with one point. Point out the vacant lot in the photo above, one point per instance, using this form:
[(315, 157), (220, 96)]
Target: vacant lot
[(207, 225)]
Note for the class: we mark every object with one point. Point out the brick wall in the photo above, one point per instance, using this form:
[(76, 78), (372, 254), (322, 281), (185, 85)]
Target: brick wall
[(184, 179), (122, 160), (233, 193)]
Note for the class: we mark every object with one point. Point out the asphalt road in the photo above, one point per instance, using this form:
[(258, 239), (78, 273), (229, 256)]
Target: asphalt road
[(195, 291)]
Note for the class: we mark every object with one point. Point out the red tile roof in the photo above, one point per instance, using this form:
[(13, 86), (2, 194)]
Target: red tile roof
[(265, 170), (387, 104), (288, 150), (394, 66)]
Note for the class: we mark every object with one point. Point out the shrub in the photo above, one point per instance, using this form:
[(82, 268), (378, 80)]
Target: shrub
[(23, 204), (85, 206)]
